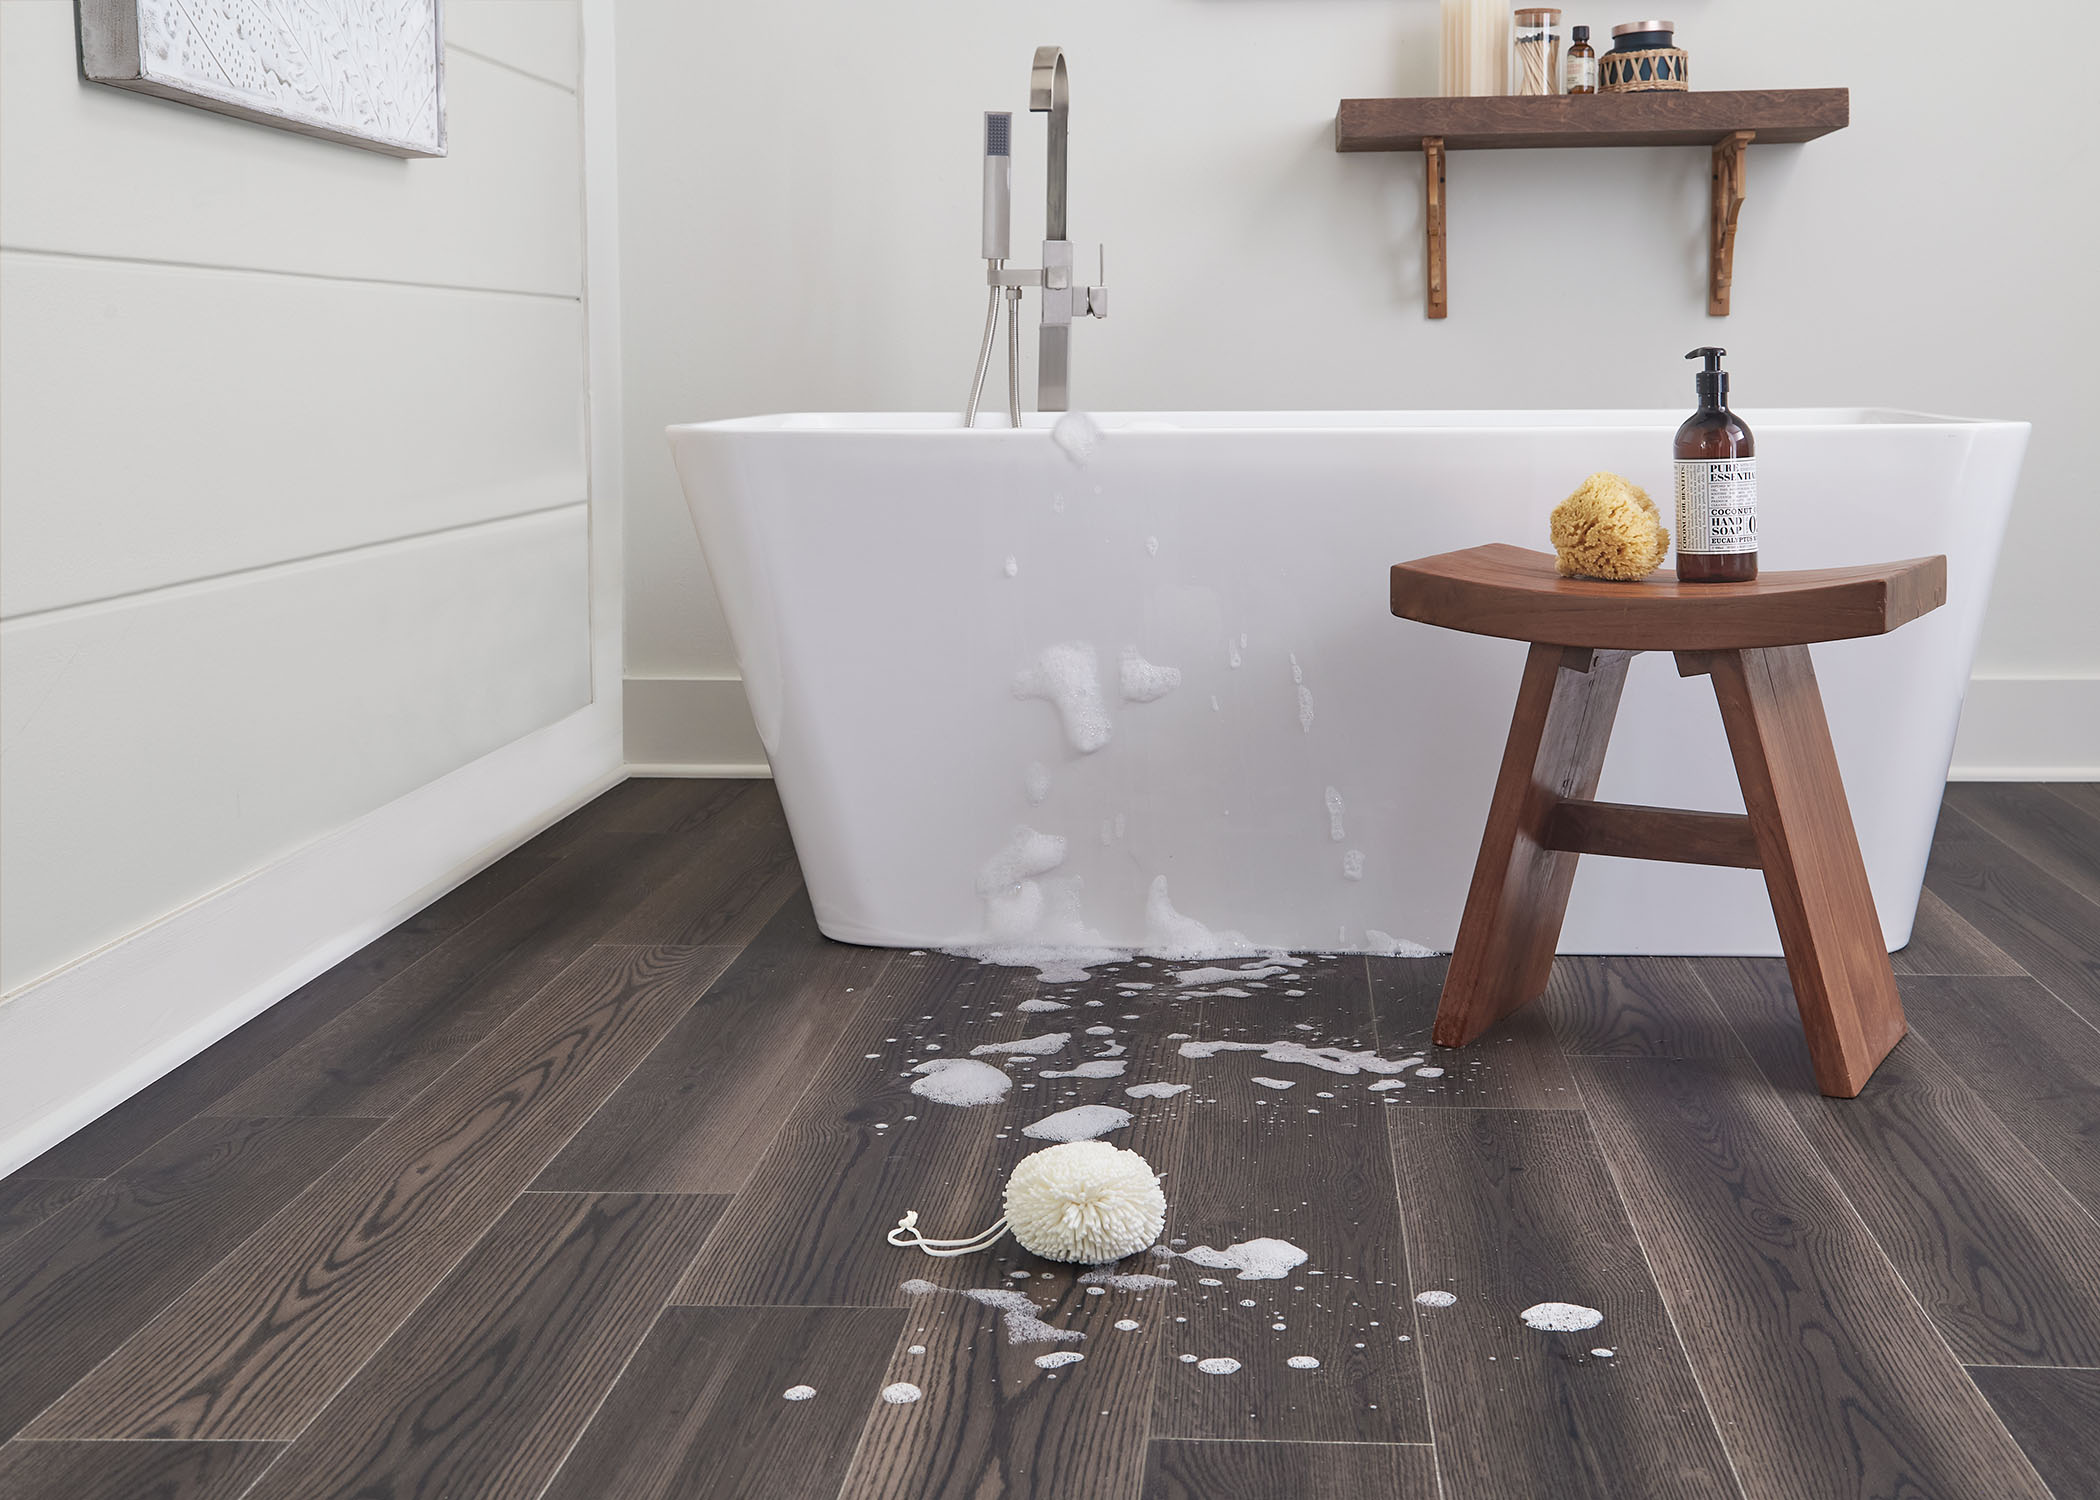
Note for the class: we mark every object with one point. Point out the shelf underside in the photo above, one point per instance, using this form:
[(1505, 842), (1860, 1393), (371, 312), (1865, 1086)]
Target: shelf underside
[(1778, 116)]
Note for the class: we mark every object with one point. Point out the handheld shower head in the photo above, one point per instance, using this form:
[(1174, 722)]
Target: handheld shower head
[(998, 184)]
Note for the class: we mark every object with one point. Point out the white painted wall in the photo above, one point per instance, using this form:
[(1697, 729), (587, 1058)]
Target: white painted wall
[(800, 233), (309, 532)]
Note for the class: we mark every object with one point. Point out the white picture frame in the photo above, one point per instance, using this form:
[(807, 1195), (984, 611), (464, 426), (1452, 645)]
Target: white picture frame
[(367, 73)]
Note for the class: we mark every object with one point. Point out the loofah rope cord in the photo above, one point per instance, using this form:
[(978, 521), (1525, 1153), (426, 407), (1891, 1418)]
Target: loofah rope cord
[(906, 1236)]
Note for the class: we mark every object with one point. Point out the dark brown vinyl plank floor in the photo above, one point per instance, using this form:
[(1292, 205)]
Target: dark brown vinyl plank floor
[(554, 1190)]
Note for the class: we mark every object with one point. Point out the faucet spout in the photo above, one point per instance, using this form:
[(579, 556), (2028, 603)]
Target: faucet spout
[(1050, 93)]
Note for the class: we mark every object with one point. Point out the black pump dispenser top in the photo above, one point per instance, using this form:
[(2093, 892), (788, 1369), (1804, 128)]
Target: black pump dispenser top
[(1712, 382)]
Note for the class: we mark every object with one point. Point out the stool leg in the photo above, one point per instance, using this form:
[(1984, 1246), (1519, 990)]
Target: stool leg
[(1796, 800), (1504, 952)]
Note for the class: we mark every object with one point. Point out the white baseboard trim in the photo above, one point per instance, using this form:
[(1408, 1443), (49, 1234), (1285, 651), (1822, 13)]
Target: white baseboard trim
[(2029, 729), (78, 1042), (691, 726)]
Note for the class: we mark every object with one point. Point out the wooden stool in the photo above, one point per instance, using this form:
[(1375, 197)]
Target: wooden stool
[(1752, 639)]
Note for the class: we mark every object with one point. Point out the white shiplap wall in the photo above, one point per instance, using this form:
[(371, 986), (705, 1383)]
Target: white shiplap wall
[(298, 514)]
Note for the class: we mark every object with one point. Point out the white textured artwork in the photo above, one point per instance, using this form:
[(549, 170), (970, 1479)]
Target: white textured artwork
[(366, 72)]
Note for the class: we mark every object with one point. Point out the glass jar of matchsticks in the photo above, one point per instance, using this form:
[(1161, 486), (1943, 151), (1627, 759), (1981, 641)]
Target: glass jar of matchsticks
[(1534, 51)]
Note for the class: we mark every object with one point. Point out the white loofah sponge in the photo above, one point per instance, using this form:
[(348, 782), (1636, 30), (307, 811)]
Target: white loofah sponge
[(1084, 1201)]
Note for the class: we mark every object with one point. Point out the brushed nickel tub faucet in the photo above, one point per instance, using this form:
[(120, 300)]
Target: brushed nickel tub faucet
[(1063, 300)]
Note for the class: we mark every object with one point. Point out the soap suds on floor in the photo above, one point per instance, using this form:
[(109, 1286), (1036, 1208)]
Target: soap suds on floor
[(1327, 1059), (1334, 815), (1033, 1006), (1429, 1072), (1058, 1360), (1388, 1083), (1032, 1046), (1604, 1353), (1089, 1070), (1274, 1083), (960, 1082), (1255, 1260), (1128, 1325), (1128, 1281), (1085, 1122), (1067, 677), (1561, 1317), (1142, 682), (903, 1393), (1218, 1366), (798, 1393), (1023, 1326), (1302, 1362), (1188, 977), (1437, 1299), (918, 1286), (1155, 1090)]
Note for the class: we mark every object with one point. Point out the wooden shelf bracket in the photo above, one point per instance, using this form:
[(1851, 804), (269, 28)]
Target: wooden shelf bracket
[(1731, 152), (1437, 293)]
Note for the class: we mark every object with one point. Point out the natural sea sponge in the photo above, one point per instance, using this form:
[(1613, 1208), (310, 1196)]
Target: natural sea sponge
[(1608, 528)]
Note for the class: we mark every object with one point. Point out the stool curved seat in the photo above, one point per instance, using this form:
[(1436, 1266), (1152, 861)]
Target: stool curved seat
[(1515, 593)]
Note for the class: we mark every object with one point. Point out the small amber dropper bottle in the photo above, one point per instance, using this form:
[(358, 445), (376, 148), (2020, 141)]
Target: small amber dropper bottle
[(1716, 464), (1580, 68)]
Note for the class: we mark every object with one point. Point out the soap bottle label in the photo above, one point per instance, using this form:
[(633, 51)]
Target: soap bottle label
[(1716, 504)]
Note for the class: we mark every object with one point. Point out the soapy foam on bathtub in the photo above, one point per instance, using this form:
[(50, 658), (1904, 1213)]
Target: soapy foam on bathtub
[(1077, 436), (1085, 1122), (1169, 934), (961, 1082), (1232, 653), (1036, 780), (1013, 566), (1561, 1317), (1026, 855), (1142, 682), (1155, 1090), (1353, 864), (1032, 1046), (1088, 1070), (1305, 709), (1334, 815), (1152, 546), (1255, 1260), (1019, 1315), (1066, 677), (1385, 945)]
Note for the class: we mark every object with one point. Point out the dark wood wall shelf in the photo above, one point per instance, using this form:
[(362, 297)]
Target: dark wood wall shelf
[(1727, 122)]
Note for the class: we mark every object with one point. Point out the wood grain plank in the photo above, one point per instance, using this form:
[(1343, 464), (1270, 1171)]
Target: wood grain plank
[(1516, 1065), (1636, 1007), (699, 1112), (642, 804), (2051, 832), (1182, 1469), (729, 895), (2002, 1258), (1943, 942), (1508, 1208), (992, 1422), (257, 1347), (1544, 120), (1317, 1171), (2042, 924), (2053, 1415), (487, 1385), (2080, 794), (80, 1283), (26, 1202), (98, 1149), (1824, 1376), (698, 1414), (131, 1471), (391, 1046), (2035, 1064)]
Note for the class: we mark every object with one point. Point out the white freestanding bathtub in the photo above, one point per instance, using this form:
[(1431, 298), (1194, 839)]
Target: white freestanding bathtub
[(915, 608)]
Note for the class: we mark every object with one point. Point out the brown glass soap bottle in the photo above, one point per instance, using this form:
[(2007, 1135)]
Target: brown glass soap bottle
[(1716, 464)]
